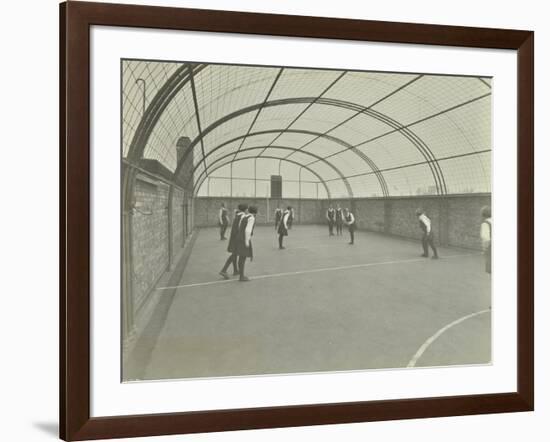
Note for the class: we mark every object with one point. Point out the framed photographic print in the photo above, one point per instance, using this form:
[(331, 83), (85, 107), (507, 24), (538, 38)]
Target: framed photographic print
[(273, 220)]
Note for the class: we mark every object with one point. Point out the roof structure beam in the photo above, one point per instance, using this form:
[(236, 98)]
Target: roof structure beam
[(359, 112), (287, 180), (215, 167), (421, 120), (285, 148), (235, 114), (405, 166), (156, 107), (485, 82), (185, 75), (431, 160), (331, 138), (405, 130), (260, 109), (148, 122), (336, 80), (415, 140), (197, 113)]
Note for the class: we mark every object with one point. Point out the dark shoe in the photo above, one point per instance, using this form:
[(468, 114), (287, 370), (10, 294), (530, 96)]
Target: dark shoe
[(424, 256), (282, 247), (235, 273), (435, 257), (350, 243), (244, 279), (224, 275)]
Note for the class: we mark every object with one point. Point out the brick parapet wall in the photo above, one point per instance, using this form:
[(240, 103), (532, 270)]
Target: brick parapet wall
[(150, 237), (455, 218)]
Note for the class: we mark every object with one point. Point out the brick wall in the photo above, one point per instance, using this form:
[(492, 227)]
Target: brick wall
[(464, 219), (370, 215), (159, 231), (177, 221), (306, 211), (149, 237), (455, 218), (402, 220)]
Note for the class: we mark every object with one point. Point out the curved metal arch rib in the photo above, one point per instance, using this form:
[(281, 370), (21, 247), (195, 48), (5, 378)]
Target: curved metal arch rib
[(381, 180), (197, 186), (203, 175), (148, 121), (404, 130), (252, 108), (181, 77), (417, 142), (317, 157), (156, 108)]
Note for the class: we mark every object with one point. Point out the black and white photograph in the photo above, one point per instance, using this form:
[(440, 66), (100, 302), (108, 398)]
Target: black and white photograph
[(239, 221), (286, 220)]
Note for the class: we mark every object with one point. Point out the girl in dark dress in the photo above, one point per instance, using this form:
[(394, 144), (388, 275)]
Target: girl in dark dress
[(339, 220), (349, 219), (244, 240), (331, 219), (278, 214), (232, 246), (290, 217), (283, 227)]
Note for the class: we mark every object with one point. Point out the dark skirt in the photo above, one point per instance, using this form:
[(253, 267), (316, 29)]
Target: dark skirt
[(242, 250), (233, 241), (282, 230), (352, 227), (231, 247), (234, 235)]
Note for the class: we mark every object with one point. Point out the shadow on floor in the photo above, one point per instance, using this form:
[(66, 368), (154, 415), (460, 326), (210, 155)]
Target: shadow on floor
[(50, 428)]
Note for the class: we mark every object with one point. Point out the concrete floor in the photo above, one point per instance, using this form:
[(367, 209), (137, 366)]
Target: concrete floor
[(319, 305)]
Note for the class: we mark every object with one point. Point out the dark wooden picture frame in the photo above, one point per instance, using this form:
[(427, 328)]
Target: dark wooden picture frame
[(75, 21)]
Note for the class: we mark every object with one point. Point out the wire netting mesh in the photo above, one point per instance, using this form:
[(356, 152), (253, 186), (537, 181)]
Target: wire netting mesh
[(374, 129)]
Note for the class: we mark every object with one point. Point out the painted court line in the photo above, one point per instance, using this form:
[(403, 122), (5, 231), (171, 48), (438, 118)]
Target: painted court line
[(303, 272), (434, 337), (320, 246)]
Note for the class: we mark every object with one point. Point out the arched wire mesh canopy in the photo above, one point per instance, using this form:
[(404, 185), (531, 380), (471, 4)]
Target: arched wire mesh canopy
[(329, 133)]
